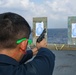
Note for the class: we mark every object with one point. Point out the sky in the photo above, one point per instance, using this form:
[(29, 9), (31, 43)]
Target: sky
[(56, 11)]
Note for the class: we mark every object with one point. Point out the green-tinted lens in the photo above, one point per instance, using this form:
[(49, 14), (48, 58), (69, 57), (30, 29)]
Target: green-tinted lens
[(23, 39), (29, 41), (20, 40)]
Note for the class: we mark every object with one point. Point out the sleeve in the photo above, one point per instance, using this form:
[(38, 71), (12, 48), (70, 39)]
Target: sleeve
[(42, 64), (27, 56)]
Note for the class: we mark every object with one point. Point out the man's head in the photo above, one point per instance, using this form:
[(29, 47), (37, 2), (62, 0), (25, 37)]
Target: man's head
[(12, 28)]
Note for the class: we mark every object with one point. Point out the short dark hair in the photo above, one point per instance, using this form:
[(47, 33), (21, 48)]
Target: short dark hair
[(12, 27)]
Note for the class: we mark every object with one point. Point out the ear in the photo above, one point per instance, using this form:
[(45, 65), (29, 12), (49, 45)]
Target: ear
[(23, 45)]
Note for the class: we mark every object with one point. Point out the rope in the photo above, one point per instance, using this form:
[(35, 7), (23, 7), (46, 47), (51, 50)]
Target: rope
[(60, 47)]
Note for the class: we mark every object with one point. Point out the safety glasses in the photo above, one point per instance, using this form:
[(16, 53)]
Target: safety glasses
[(23, 39)]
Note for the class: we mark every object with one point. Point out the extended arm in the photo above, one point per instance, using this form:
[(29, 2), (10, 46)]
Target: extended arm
[(43, 63)]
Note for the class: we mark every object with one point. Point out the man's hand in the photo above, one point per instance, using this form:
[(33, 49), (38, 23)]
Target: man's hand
[(35, 51), (43, 43)]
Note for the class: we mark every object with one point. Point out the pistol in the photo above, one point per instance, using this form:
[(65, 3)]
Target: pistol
[(42, 36)]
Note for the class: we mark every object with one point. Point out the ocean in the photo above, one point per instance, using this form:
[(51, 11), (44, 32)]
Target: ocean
[(56, 36)]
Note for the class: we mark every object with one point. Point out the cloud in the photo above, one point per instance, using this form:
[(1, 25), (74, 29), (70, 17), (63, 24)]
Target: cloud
[(57, 11), (64, 7), (6, 3), (24, 4)]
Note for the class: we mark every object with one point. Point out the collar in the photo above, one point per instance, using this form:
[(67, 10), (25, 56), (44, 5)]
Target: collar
[(8, 60)]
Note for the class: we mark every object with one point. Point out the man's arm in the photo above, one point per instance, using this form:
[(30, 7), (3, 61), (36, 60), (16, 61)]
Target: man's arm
[(42, 64)]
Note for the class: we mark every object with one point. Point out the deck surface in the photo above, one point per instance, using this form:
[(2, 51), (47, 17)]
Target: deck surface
[(65, 63)]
